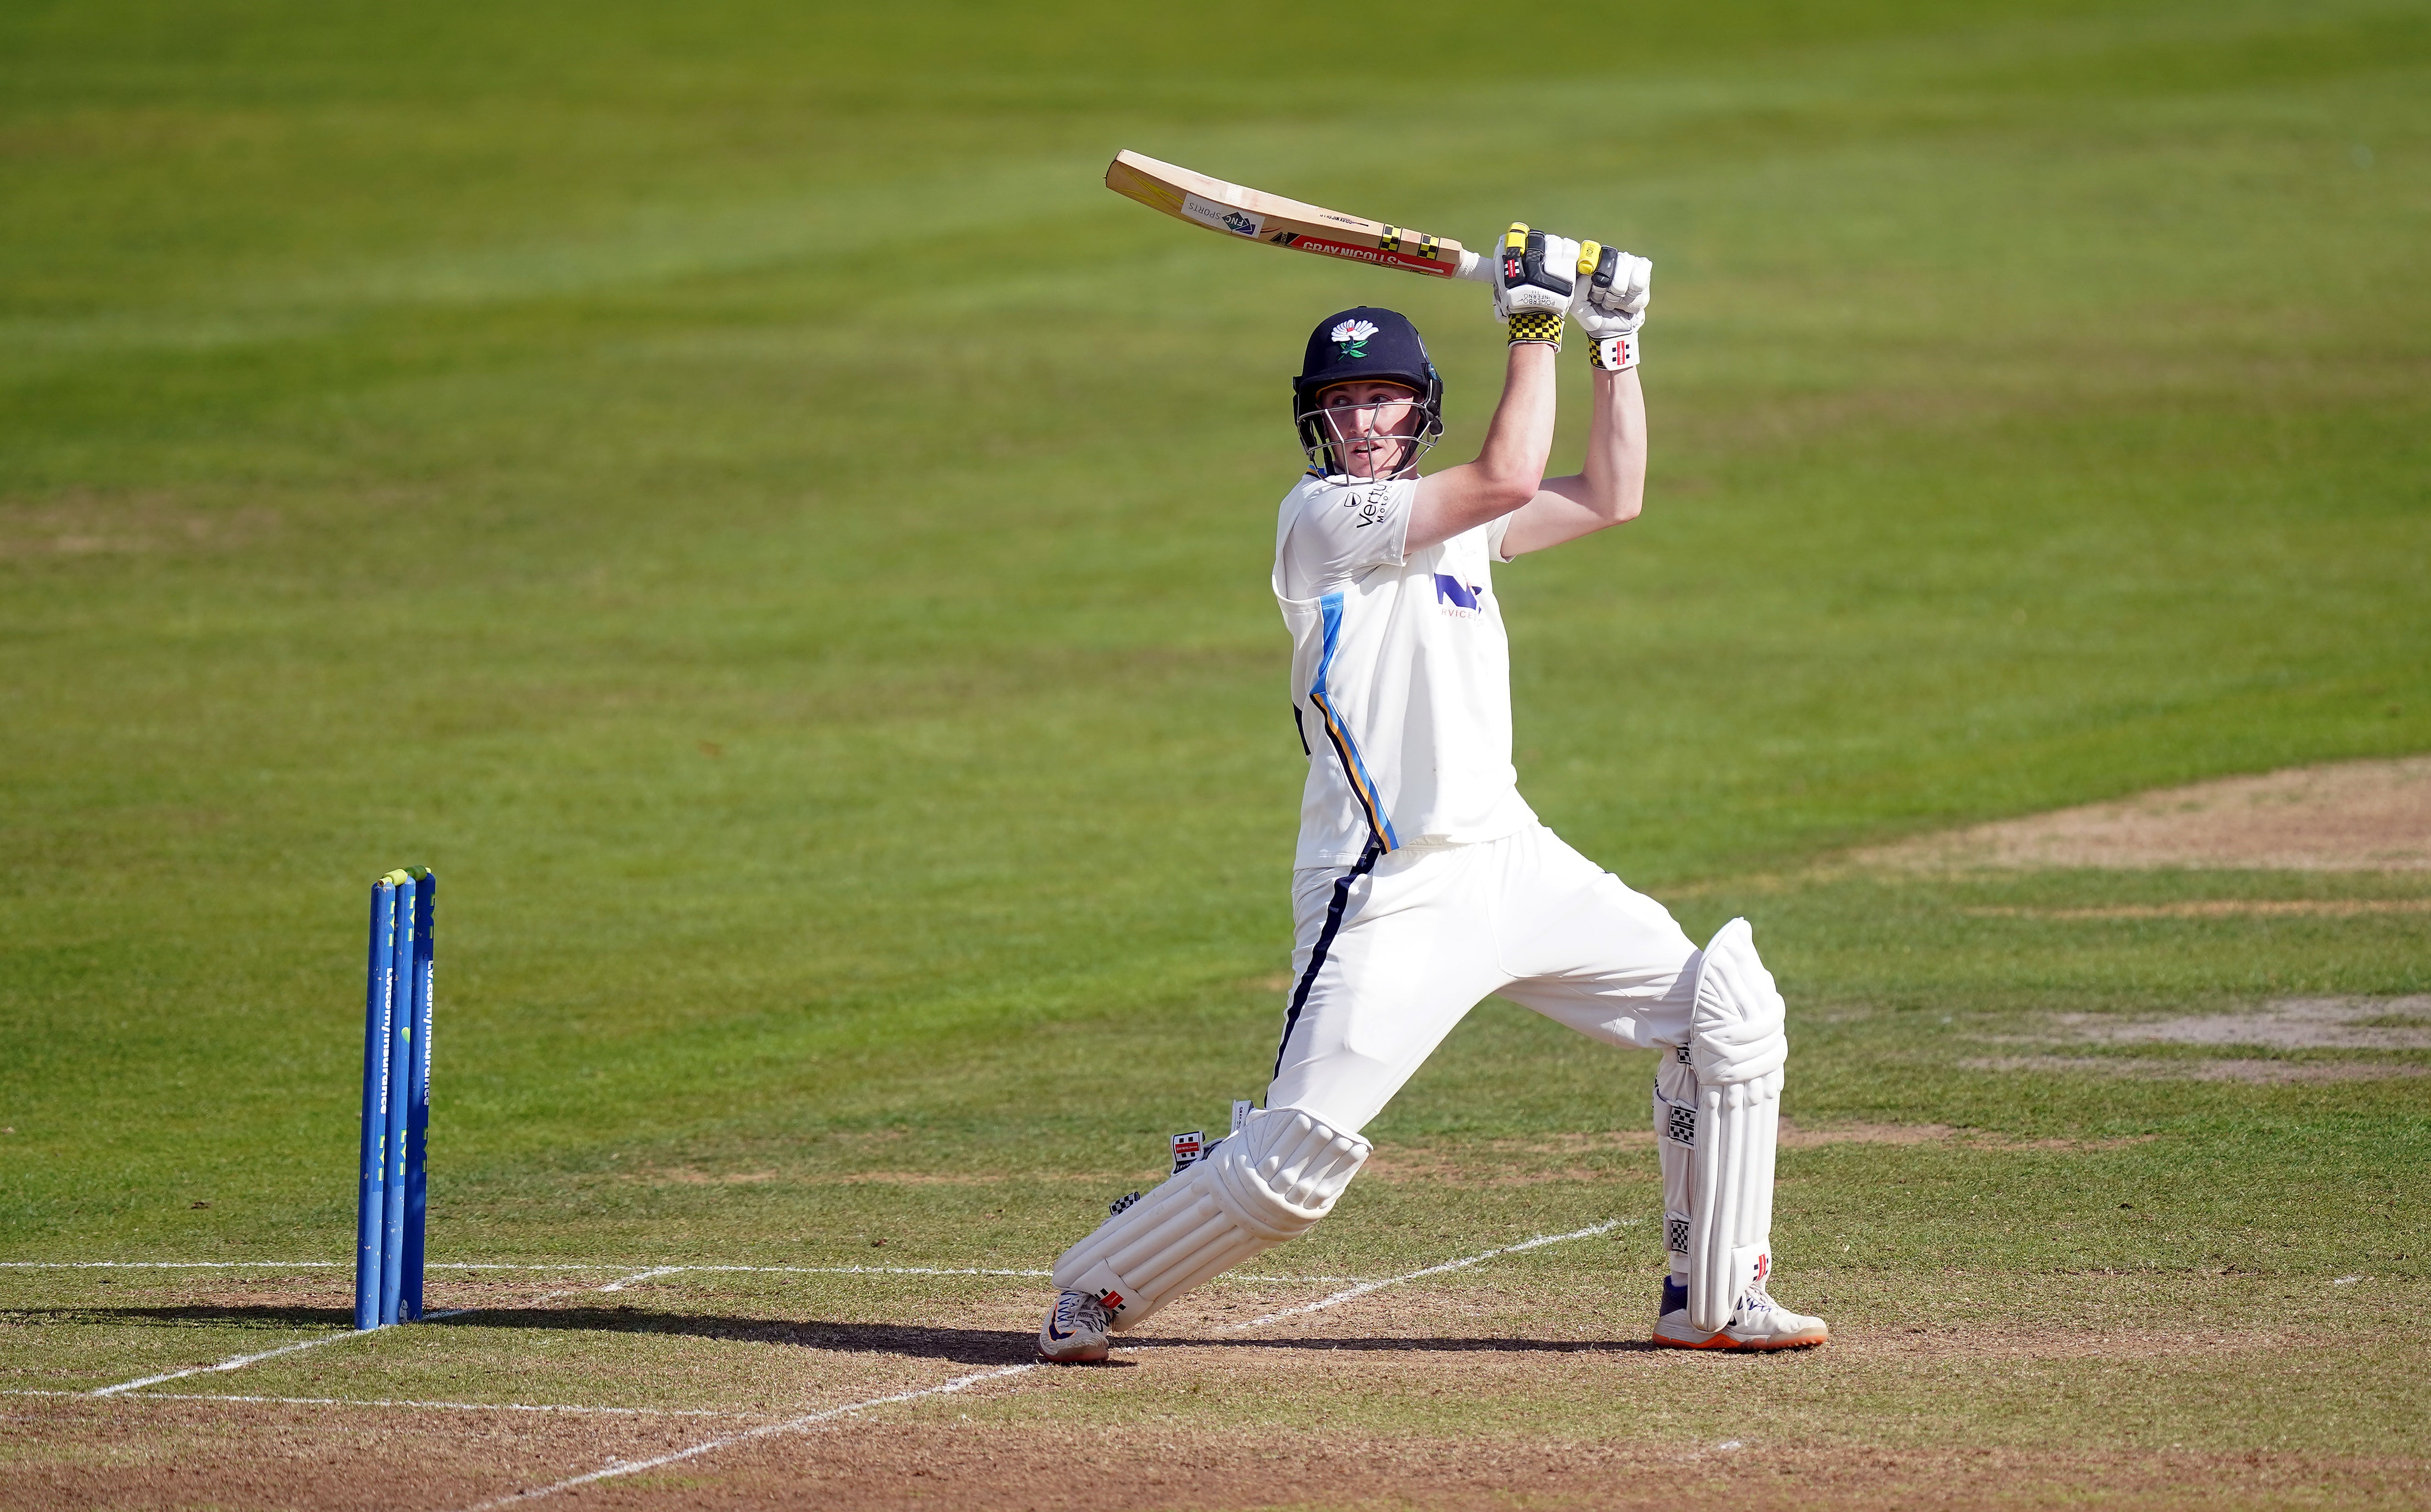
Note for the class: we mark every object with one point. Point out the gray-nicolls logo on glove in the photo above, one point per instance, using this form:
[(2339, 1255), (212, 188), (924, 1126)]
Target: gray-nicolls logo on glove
[(1535, 287)]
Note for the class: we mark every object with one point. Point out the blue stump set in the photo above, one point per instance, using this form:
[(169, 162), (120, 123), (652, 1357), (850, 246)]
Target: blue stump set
[(389, 1205)]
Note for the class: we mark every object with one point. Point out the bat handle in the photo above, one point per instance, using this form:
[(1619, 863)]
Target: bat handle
[(1476, 269)]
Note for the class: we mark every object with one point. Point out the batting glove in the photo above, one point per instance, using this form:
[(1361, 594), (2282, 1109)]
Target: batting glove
[(1612, 298), (1534, 288)]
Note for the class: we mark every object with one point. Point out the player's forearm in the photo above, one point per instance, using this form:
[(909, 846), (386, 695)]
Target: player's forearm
[(1614, 478), (1607, 490), (1509, 468), (1520, 436)]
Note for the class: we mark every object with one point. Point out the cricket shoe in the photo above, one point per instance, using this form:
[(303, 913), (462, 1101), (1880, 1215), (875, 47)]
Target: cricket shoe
[(1076, 1332), (1760, 1323)]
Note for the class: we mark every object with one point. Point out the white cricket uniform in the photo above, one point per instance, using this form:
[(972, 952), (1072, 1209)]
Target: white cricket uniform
[(1423, 882)]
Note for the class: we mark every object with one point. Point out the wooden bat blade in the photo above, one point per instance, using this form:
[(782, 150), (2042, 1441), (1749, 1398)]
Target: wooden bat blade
[(1236, 211)]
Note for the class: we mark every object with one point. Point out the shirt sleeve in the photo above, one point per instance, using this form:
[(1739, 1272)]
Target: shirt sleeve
[(1494, 534), (1342, 531)]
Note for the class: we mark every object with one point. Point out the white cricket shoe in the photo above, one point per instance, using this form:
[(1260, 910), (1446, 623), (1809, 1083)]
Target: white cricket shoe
[(1076, 1331), (1760, 1323)]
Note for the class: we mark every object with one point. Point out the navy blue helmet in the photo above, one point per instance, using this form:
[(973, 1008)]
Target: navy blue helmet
[(1365, 344)]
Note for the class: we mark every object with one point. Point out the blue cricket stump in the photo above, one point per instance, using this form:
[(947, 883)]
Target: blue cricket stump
[(392, 1199), (400, 1051), (370, 1198), (417, 1096)]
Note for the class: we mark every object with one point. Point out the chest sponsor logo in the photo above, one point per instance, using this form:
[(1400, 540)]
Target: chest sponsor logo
[(1455, 598), (1373, 505)]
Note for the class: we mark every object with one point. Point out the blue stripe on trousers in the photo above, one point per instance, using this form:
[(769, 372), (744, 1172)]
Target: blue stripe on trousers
[(1333, 911)]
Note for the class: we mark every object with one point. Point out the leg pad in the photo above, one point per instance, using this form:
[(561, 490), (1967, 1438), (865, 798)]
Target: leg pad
[(1736, 1048), (1266, 1183)]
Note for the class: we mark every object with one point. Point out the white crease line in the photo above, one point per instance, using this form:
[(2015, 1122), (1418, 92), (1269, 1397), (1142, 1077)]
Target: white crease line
[(531, 1265), (170, 1265), (1364, 1287), (524, 1264), (636, 1280), (863, 1270), (400, 1402), (568, 1291), (619, 1468), (808, 1420), (931, 1271), (587, 1264), (241, 1361)]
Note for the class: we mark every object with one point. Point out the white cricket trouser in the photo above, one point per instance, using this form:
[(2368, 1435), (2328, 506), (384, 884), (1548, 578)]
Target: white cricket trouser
[(1388, 957)]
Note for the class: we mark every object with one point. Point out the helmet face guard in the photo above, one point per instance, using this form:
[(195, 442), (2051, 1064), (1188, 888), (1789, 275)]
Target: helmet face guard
[(1365, 345), (1334, 448)]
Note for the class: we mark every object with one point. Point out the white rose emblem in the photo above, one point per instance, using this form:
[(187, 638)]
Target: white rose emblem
[(1351, 336)]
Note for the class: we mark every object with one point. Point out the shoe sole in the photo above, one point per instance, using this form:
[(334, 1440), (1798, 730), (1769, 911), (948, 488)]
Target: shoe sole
[(1099, 1359), (1724, 1341)]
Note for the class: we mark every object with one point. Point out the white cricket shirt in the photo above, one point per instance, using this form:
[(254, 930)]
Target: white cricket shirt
[(1401, 674)]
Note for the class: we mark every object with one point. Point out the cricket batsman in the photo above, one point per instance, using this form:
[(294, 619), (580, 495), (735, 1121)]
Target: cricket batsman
[(1423, 882)]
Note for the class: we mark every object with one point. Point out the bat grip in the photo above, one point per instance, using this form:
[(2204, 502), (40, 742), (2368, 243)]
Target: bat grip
[(1476, 269)]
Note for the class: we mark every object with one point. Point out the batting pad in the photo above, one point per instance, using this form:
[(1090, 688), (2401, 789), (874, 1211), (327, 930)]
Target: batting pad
[(1737, 1046), (1266, 1183)]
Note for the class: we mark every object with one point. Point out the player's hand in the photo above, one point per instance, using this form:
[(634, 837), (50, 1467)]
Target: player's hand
[(1612, 291), (1536, 284)]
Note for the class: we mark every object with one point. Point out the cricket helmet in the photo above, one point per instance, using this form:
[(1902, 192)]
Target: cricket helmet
[(1366, 346)]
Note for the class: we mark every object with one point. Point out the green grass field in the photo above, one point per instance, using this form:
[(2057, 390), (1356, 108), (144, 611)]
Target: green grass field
[(728, 488)]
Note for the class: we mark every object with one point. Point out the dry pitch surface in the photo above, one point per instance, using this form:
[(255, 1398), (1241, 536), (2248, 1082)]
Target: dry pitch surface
[(2354, 816), (1519, 1381)]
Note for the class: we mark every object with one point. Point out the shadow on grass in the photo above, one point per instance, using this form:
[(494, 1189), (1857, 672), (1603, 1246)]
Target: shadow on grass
[(962, 1346), (197, 1314)]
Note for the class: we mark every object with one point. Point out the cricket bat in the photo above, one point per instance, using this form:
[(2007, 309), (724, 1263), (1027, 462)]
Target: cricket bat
[(1231, 209)]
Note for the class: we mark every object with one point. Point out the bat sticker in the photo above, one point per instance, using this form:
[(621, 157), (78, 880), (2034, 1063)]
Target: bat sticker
[(1300, 241), (1221, 217)]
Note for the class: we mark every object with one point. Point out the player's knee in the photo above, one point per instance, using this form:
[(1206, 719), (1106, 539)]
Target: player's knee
[(1285, 1170), (1736, 1024)]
